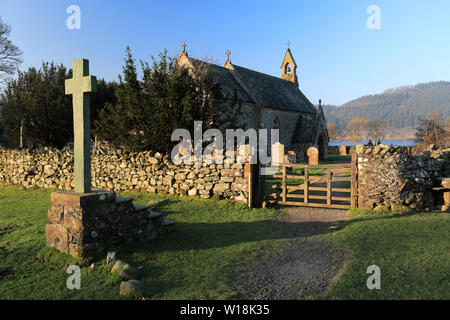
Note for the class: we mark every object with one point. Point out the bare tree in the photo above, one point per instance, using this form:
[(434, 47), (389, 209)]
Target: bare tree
[(447, 132), (404, 138), (355, 128), (10, 55), (334, 131), (432, 130), (376, 129)]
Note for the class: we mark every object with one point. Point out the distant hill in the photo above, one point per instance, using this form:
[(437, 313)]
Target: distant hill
[(399, 107)]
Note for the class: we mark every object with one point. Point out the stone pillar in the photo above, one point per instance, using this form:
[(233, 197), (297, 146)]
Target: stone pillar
[(75, 221), (82, 224)]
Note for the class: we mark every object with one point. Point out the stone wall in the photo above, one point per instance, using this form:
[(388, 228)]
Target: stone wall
[(119, 171), (388, 177)]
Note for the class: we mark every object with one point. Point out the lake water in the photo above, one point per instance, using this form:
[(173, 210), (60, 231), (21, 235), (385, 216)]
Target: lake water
[(388, 142)]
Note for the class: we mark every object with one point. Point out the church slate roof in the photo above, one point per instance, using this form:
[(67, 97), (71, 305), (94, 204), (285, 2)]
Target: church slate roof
[(259, 88), (274, 92), (228, 82)]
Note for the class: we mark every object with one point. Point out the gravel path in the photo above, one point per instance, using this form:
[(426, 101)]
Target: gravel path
[(304, 267)]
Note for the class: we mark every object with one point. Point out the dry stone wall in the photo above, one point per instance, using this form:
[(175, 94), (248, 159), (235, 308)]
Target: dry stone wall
[(118, 170), (388, 177)]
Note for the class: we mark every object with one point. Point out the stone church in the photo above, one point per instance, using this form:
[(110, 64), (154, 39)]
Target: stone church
[(268, 102)]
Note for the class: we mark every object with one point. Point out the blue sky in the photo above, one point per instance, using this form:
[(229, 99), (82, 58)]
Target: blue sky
[(339, 58)]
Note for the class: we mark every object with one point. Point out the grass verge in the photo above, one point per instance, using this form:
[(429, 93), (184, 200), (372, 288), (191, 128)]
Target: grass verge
[(194, 261), (412, 251)]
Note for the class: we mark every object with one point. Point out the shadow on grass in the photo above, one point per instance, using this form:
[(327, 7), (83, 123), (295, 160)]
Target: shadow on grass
[(198, 254), (204, 236)]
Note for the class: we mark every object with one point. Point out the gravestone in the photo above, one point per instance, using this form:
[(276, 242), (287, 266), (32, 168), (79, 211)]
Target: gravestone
[(342, 150), (313, 156), (277, 154), (292, 157)]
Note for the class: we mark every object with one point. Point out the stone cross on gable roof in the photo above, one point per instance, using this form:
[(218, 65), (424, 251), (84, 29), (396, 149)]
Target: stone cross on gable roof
[(228, 55), (79, 87)]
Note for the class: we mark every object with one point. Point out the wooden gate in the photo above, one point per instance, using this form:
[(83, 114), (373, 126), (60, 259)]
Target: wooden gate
[(324, 186)]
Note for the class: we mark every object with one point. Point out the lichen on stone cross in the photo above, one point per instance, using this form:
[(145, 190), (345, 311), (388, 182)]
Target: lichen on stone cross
[(80, 87)]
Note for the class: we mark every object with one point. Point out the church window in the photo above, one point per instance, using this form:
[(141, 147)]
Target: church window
[(276, 123)]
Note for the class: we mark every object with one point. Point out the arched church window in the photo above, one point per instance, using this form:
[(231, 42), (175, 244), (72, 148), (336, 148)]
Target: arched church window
[(276, 123)]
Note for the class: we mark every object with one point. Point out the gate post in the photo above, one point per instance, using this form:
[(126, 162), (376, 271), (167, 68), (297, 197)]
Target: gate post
[(255, 190), (354, 182)]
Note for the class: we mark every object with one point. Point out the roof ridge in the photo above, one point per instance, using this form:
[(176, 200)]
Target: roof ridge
[(296, 99), (212, 64), (235, 65), (234, 75), (265, 74)]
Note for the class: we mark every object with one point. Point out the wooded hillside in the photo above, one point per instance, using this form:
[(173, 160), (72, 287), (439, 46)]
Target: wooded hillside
[(400, 107)]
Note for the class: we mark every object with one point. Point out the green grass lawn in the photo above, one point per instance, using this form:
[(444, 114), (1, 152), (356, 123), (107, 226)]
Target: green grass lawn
[(192, 262), (412, 251), (196, 260)]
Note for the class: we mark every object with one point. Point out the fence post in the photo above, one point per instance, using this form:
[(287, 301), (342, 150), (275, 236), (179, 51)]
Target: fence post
[(354, 187), (306, 185), (261, 186), (248, 169), (329, 192), (283, 194)]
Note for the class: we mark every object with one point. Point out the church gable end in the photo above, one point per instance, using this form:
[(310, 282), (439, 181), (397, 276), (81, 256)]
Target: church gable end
[(289, 68)]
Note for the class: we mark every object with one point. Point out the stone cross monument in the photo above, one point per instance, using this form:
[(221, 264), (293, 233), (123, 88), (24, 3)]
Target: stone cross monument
[(82, 222), (80, 87)]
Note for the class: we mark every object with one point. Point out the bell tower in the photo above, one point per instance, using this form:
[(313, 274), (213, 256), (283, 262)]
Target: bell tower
[(289, 68)]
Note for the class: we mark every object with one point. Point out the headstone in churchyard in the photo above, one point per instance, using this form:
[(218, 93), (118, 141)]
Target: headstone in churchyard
[(277, 154), (292, 157), (342, 150), (313, 156), (80, 87)]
